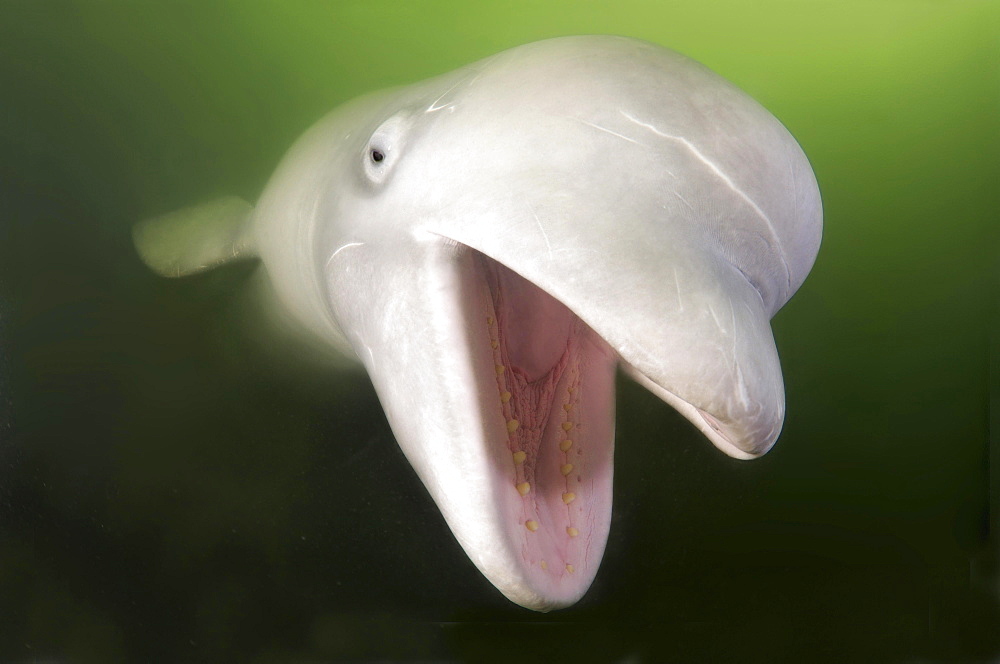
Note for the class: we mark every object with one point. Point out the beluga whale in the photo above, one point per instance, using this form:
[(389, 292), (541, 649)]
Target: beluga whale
[(493, 243)]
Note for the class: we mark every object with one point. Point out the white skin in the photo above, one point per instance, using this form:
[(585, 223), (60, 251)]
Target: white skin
[(491, 243)]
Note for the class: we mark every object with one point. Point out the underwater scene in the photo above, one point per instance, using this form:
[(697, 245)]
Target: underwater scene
[(514, 279)]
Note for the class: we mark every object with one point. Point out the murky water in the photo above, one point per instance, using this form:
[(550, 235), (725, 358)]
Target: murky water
[(171, 490)]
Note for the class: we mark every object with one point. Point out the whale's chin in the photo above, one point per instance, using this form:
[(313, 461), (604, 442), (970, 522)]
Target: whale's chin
[(547, 405)]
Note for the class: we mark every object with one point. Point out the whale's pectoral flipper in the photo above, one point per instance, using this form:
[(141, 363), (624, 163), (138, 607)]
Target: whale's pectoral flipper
[(196, 238)]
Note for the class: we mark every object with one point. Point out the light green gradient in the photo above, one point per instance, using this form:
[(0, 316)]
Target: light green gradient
[(159, 485)]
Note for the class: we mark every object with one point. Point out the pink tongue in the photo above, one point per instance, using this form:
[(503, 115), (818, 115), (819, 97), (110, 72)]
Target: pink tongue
[(554, 380)]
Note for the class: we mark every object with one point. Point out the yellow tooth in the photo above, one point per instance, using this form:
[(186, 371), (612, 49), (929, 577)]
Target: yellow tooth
[(567, 426), (499, 369), (567, 407), (512, 425), (565, 445), (489, 320), (494, 345), (531, 525), (569, 568), (523, 488), (519, 457), (504, 397), (571, 531), (569, 497), (566, 469), (544, 565)]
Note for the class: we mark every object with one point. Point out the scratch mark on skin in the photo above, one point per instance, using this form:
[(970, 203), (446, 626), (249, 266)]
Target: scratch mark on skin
[(605, 129), (795, 186), (346, 246), (715, 316), (434, 107), (684, 200), (722, 176), (680, 301), (715, 169), (371, 356), (741, 388), (541, 228)]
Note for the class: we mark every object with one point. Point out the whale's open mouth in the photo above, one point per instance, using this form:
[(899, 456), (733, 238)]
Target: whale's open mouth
[(500, 387), (549, 409)]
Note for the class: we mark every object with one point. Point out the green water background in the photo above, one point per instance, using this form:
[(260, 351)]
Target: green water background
[(167, 495)]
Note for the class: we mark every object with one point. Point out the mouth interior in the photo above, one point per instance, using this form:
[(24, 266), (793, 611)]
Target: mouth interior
[(554, 394)]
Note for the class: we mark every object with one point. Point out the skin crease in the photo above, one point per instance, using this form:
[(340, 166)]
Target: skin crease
[(491, 243)]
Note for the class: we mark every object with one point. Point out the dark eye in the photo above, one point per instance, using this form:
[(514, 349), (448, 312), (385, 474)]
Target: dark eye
[(383, 150)]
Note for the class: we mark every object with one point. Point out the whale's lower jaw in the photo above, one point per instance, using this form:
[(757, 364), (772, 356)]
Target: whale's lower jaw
[(548, 409)]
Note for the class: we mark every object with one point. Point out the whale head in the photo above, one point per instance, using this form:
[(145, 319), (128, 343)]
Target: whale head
[(492, 243)]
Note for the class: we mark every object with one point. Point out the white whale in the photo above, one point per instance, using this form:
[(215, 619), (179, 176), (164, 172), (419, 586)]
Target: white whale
[(493, 242)]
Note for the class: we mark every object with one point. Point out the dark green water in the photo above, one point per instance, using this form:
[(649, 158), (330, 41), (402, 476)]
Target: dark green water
[(170, 493)]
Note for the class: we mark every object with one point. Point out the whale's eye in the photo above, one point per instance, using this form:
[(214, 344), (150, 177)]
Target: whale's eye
[(384, 148)]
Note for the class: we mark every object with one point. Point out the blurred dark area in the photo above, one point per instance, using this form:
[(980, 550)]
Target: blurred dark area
[(172, 491)]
